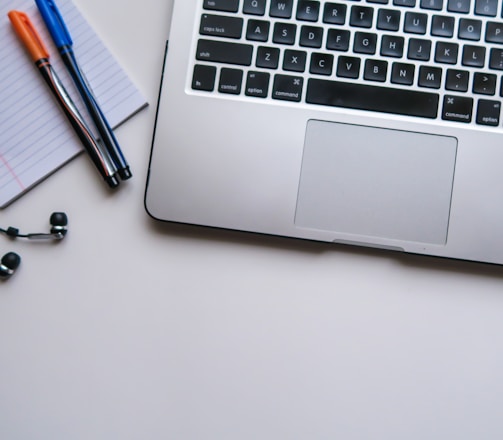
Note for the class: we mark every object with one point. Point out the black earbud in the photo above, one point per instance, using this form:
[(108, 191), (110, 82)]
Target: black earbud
[(8, 265), (58, 221)]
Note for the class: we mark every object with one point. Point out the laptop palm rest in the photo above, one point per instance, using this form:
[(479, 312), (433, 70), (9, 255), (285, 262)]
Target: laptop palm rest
[(374, 182)]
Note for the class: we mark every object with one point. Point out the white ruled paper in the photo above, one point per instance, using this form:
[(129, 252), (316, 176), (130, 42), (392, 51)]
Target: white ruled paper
[(35, 137)]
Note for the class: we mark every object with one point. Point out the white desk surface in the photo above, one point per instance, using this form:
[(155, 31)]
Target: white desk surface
[(132, 330)]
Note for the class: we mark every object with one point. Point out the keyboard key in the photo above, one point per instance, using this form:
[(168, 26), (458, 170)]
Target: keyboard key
[(365, 43), (430, 77), (415, 23), (257, 30), (221, 5), (254, 7), (407, 3), (435, 5), (267, 57), (230, 81), (284, 33), (470, 29), (281, 8), (221, 26), (348, 67), (257, 84), (494, 32), (459, 6), (402, 73), (392, 46), (488, 112), (294, 60), (204, 77), (442, 26), (311, 36), (496, 59), (334, 13), (488, 8), (361, 16), (338, 40), (484, 83), (375, 70), (388, 19), (457, 108), (287, 88), (308, 10), (457, 80), (474, 56), (321, 64), (446, 53), (373, 98), (419, 49), (224, 52)]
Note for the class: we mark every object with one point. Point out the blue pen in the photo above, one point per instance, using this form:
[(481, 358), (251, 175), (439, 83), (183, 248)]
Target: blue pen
[(59, 32)]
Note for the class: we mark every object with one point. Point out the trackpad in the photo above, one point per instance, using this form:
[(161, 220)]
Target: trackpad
[(376, 182)]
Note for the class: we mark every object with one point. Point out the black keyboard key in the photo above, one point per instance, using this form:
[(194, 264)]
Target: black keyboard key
[(446, 53), (294, 60), (348, 67), (494, 32), (457, 108), (488, 112), (334, 13), (230, 81), (457, 80), (308, 10), (281, 8), (372, 98), (254, 7), (435, 5), (284, 33), (287, 88), (488, 8), (430, 77), (204, 77), (388, 19), (442, 26), (406, 3), (267, 57), (338, 39), (365, 43), (496, 59), (419, 49), (257, 84), (311, 36), (402, 73), (415, 23), (459, 6), (484, 83), (224, 52), (474, 56), (375, 70), (392, 46), (221, 5), (257, 30), (361, 16), (321, 64), (221, 26), (470, 29)]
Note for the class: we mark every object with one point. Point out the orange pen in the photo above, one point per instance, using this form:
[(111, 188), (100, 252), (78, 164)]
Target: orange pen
[(40, 56)]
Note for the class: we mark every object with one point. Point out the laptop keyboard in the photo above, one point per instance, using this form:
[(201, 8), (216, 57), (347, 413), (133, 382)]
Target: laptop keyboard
[(435, 59)]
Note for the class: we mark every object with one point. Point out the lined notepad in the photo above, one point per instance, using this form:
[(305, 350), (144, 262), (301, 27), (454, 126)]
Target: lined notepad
[(35, 137)]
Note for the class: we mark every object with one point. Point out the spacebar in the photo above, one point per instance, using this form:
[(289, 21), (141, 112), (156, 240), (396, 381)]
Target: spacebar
[(374, 98)]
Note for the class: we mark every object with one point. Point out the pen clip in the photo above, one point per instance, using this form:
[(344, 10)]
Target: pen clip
[(55, 23), (28, 35)]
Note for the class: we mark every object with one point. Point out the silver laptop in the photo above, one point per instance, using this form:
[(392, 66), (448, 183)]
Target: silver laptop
[(374, 123)]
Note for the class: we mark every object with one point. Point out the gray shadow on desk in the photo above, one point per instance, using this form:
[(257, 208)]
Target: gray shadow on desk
[(410, 261)]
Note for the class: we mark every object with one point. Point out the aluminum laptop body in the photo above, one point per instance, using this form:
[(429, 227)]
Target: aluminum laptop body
[(367, 123)]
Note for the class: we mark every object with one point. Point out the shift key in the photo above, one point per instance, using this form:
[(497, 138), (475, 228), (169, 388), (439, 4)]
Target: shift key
[(224, 52)]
